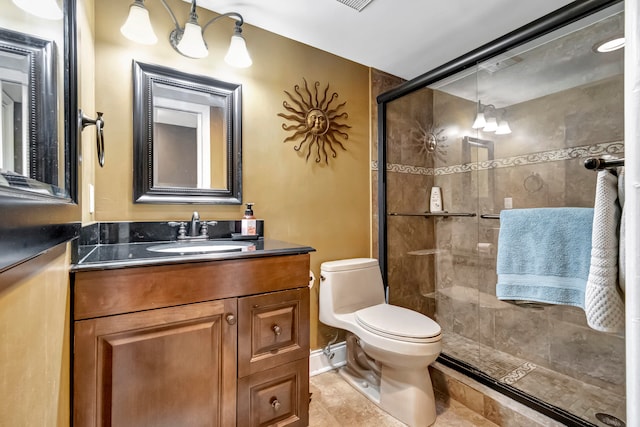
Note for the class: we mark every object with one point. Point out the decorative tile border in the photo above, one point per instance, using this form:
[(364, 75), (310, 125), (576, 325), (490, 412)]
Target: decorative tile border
[(580, 152), (518, 373)]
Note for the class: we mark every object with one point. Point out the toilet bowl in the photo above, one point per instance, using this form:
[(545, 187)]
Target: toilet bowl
[(389, 348)]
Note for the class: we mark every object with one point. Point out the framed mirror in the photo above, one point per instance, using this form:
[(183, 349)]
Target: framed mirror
[(38, 130), (186, 137), (36, 155)]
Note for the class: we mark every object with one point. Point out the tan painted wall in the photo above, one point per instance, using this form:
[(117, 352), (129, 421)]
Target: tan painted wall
[(35, 311), (326, 207), (35, 341)]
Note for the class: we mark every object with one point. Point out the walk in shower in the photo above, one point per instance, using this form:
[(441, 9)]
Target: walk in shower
[(507, 126)]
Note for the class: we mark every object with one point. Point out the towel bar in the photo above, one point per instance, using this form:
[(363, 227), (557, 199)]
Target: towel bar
[(594, 163)]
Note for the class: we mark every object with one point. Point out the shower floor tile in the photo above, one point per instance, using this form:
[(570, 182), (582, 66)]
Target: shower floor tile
[(581, 399)]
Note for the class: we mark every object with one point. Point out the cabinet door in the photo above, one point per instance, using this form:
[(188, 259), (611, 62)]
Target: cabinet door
[(166, 367), (272, 329)]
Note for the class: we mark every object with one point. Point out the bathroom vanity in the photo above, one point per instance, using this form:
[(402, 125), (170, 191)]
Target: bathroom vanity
[(217, 339)]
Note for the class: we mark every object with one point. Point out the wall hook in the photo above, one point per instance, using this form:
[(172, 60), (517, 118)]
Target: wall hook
[(99, 123)]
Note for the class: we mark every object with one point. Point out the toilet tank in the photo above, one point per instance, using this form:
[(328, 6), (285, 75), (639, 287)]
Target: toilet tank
[(351, 284)]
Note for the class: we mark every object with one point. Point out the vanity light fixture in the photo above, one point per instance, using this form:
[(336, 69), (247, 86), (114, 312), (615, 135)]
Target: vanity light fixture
[(187, 40), (487, 120), (46, 9)]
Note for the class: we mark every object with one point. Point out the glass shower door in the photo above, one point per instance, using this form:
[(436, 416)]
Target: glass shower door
[(511, 132)]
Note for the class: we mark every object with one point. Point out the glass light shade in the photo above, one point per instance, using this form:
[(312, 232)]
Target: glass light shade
[(46, 9), (491, 125), (192, 44), (479, 122), (138, 27), (238, 55), (503, 128)]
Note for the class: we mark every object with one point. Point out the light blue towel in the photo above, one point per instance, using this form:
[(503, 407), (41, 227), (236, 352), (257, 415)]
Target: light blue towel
[(544, 255)]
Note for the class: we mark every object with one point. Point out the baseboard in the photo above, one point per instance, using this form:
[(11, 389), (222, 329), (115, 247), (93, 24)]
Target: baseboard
[(319, 362)]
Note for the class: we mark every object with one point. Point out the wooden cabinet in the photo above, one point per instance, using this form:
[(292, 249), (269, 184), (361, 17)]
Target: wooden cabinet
[(273, 359), (200, 344)]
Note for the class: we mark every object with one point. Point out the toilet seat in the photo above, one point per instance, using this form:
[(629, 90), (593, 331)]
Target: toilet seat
[(398, 323)]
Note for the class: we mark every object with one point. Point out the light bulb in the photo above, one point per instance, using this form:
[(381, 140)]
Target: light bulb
[(192, 44), (491, 125), (238, 55), (138, 27), (46, 9), (503, 128), (479, 122)]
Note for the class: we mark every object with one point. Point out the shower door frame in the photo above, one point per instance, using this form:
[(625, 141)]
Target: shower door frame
[(548, 23)]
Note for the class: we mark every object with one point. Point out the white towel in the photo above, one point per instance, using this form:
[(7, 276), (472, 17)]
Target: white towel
[(604, 304), (621, 274)]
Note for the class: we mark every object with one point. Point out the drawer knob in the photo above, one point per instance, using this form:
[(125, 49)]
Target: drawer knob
[(275, 404), (231, 319), (276, 330)]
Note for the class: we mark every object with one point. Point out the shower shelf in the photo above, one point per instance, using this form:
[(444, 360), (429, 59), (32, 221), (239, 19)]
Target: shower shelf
[(428, 214), (427, 252)]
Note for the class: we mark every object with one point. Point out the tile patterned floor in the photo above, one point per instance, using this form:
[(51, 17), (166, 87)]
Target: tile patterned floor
[(335, 403)]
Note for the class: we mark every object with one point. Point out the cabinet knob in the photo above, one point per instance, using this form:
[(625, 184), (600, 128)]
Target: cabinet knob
[(231, 319), (275, 404), (276, 329)]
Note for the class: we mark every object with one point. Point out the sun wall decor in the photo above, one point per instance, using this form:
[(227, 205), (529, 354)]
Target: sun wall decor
[(430, 140), (315, 122)]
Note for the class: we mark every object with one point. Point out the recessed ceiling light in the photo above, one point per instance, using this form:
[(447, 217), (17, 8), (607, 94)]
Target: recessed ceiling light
[(609, 45)]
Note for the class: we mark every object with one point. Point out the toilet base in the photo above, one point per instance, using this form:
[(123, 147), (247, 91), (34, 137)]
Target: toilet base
[(371, 391), (405, 395)]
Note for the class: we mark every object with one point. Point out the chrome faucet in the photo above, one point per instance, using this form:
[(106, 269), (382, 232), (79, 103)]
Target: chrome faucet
[(199, 230), (195, 220)]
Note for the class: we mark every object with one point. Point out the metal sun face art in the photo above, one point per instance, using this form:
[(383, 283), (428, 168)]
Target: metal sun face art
[(430, 140), (315, 122)]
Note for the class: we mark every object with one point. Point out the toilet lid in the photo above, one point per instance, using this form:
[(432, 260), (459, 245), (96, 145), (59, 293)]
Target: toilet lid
[(398, 323)]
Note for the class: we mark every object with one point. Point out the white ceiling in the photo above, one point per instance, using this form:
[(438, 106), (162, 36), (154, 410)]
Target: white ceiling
[(405, 38)]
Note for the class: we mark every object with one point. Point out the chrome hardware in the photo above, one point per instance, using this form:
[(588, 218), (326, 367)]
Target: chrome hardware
[(275, 404), (99, 124), (276, 329), (195, 220), (198, 230), (231, 319), (327, 350), (182, 229)]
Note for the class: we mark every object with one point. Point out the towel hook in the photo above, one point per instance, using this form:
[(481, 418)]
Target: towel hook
[(99, 124)]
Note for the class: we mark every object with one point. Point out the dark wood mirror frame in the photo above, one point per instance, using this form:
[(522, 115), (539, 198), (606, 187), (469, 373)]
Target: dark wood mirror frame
[(144, 190), (32, 223)]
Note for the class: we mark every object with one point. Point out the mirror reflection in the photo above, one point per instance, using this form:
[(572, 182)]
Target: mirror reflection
[(14, 130), (188, 125), (187, 141)]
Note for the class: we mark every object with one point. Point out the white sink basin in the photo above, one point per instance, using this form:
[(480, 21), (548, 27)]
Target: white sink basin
[(199, 247)]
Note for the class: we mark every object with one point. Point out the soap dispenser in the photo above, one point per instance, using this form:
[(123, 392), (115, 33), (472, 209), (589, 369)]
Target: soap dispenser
[(248, 227)]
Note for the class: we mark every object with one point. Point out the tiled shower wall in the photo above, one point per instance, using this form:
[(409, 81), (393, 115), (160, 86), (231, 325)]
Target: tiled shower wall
[(445, 267)]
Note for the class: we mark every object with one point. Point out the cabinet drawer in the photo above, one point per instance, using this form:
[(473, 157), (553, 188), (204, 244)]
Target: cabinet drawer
[(277, 397), (272, 329)]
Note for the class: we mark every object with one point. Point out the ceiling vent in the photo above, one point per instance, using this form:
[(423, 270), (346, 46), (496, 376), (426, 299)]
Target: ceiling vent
[(356, 4), (498, 64)]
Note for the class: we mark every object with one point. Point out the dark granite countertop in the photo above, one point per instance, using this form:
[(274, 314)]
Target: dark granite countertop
[(123, 255)]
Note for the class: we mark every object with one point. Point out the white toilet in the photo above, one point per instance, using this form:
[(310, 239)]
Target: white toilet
[(389, 348)]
